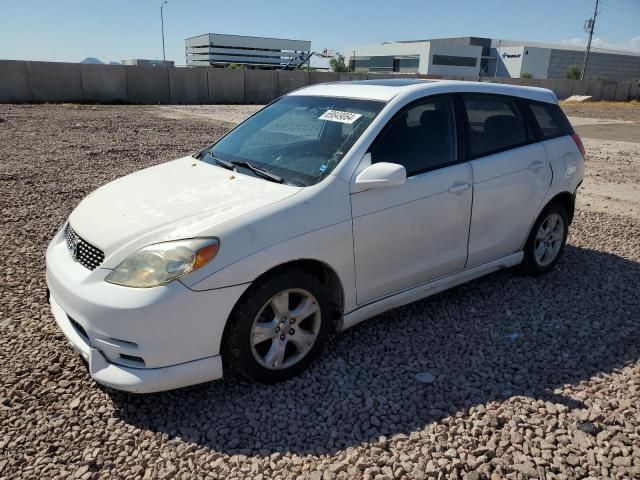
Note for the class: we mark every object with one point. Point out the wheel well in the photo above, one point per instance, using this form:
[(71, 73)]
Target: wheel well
[(325, 274), (567, 201)]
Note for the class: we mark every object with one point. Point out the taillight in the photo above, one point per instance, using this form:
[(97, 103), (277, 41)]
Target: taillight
[(578, 140)]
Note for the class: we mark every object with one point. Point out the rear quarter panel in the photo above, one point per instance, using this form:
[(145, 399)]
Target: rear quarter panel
[(563, 153)]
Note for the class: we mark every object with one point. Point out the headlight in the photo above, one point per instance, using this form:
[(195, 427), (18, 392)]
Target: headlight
[(162, 262)]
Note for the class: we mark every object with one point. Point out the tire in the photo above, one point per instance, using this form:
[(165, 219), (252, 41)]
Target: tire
[(553, 242), (262, 347)]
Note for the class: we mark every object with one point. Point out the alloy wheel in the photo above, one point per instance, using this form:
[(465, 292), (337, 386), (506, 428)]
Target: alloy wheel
[(549, 239), (285, 329)]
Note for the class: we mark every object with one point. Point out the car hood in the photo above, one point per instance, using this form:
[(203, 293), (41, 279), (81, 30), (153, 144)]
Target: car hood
[(178, 199)]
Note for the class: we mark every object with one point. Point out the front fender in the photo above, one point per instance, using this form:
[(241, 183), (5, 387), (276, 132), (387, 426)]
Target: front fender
[(332, 245)]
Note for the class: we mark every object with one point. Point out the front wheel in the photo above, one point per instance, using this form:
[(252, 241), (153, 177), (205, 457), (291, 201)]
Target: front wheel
[(546, 241), (278, 327)]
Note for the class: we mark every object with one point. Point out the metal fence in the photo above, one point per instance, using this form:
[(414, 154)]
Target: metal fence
[(26, 82)]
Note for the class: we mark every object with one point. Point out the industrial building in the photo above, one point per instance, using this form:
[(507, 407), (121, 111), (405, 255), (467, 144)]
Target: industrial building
[(143, 62), (476, 56), (217, 50)]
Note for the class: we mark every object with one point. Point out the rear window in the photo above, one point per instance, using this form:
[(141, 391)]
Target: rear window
[(551, 120), (495, 124)]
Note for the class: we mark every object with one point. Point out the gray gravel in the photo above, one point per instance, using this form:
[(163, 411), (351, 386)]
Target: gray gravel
[(506, 377)]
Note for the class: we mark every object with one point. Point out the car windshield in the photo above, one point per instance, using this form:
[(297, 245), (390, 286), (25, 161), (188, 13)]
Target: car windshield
[(300, 139)]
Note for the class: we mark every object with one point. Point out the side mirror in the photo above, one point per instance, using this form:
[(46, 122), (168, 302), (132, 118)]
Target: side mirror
[(381, 175)]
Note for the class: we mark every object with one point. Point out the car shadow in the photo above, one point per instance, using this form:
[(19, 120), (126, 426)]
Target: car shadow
[(501, 336)]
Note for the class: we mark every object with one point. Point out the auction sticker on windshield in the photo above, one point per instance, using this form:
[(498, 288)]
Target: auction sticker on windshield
[(339, 116)]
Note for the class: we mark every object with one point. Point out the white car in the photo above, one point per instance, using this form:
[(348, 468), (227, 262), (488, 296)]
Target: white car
[(331, 205)]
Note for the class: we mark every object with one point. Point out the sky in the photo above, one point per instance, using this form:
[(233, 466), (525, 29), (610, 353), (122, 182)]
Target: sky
[(112, 30)]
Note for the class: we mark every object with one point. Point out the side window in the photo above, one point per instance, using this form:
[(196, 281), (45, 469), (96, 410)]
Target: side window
[(551, 120), (420, 138), (494, 124)]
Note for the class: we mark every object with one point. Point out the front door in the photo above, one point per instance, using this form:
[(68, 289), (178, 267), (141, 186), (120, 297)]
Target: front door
[(408, 235)]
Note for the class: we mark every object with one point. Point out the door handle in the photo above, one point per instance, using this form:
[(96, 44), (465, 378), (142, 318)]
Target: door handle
[(459, 187)]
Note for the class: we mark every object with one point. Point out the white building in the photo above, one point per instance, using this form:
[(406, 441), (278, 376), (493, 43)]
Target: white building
[(148, 63), (476, 56), (217, 50), (427, 57), (552, 61)]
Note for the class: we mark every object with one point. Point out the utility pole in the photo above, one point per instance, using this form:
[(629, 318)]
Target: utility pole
[(162, 23), (588, 27)]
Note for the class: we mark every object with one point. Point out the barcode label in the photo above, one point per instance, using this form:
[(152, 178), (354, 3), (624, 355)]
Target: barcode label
[(339, 116)]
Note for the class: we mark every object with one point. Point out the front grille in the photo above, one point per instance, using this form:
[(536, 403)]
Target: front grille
[(82, 251)]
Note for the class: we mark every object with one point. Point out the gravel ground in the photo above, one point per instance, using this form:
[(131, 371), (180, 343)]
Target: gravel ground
[(608, 110), (505, 377)]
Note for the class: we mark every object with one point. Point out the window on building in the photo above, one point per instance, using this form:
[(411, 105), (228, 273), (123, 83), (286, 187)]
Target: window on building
[(551, 120), (452, 60), (494, 124), (421, 138)]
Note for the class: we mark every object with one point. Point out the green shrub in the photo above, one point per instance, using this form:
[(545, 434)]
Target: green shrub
[(573, 72), (337, 63)]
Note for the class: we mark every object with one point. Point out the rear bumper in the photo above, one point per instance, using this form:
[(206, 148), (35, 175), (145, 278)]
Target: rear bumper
[(136, 380)]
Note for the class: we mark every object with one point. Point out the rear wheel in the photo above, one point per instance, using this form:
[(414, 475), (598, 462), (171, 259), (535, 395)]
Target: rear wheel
[(278, 327), (546, 241)]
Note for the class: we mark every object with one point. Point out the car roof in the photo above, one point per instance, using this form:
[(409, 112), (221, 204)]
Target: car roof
[(386, 89)]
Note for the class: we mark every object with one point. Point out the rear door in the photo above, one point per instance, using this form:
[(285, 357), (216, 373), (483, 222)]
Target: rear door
[(511, 176)]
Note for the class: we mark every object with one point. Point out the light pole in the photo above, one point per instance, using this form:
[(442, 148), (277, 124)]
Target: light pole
[(164, 58)]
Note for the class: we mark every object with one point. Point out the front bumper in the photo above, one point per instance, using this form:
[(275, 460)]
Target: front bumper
[(136, 380), (138, 340)]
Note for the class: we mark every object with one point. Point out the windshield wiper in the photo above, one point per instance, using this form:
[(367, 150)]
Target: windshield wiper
[(258, 171), (222, 163)]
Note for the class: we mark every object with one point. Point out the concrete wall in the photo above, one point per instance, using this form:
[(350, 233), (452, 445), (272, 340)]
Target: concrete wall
[(55, 82), (348, 77), (226, 86), (15, 86), (594, 89), (260, 86), (291, 80), (550, 83), (323, 77), (188, 86), (563, 88), (622, 91), (71, 82), (634, 90), (104, 83), (579, 87), (148, 85), (609, 91)]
